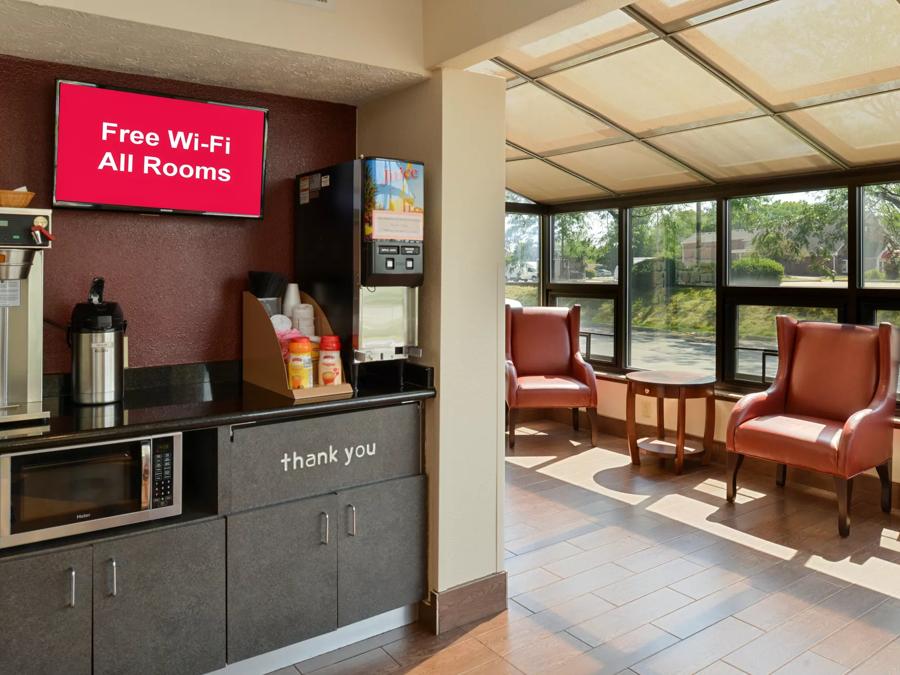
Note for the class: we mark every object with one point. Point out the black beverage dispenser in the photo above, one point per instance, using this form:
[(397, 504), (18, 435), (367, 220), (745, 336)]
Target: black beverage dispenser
[(359, 252)]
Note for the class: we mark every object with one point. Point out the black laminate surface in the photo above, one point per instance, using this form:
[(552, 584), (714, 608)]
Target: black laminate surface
[(185, 407)]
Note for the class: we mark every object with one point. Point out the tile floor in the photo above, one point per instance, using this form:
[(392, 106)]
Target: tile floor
[(614, 569)]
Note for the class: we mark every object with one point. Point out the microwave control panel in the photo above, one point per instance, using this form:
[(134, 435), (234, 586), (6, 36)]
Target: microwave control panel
[(163, 471)]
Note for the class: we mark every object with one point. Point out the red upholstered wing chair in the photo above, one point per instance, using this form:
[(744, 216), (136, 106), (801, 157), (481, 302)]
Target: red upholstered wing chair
[(544, 368), (830, 408)]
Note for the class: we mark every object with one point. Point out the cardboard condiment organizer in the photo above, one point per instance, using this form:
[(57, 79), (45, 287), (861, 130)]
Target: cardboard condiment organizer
[(263, 364)]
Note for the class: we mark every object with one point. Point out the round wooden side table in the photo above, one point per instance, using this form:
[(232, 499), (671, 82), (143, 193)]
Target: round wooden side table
[(663, 384)]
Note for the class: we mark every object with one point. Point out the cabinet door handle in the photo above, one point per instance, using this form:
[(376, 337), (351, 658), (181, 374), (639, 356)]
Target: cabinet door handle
[(352, 531), (71, 587), (326, 527), (115, 574)]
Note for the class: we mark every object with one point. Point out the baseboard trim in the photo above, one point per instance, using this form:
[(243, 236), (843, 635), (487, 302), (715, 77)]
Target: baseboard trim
[(446, 610)]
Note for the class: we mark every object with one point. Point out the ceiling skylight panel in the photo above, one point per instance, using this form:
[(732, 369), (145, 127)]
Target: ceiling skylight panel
[(748, 148), (542, 122), (862, 130), (627, 167), (541, 182), (651, 88), (594, 34), (796, 52)]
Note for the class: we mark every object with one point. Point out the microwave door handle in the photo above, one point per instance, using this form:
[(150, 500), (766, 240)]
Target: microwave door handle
[(146, 471)]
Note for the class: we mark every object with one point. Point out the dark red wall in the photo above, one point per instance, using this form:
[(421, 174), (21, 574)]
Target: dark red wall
[(178, 278)]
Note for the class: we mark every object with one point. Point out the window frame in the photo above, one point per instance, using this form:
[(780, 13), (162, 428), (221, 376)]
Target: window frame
[(855, 303)]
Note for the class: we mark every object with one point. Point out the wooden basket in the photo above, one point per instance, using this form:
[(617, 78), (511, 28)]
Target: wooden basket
[(15, 199), (263, 364)]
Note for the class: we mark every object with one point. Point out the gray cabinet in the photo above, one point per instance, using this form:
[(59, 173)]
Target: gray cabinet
[(46, 608), (381, 552), (159, 601), (274, 463), (282, 575)]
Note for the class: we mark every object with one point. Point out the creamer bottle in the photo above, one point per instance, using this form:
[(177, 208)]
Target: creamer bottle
[(300, 363), (330, 360)]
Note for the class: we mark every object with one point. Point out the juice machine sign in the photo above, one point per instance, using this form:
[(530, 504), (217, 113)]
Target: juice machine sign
[(394, 200)]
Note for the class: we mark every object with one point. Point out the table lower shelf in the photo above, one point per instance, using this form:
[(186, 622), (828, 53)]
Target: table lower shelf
[(666, 448)]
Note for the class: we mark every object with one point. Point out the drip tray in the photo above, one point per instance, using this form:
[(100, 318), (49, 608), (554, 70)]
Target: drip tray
[(19, 419)]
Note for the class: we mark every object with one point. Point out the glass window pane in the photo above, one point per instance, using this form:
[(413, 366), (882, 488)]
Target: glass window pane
[(597, 326), (523, 237), (756, 355), (541, 182), (627, 167), (651, 88), (672, 287), (881, 235), (591, 34), (862, 131), (585, 247), (755, 147), (789, 240), (795, 52), (542, 122)]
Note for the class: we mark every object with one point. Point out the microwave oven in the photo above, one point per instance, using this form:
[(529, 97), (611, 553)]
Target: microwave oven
[(58, 492)]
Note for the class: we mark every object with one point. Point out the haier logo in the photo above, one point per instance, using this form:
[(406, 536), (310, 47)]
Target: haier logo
[(82, 516)]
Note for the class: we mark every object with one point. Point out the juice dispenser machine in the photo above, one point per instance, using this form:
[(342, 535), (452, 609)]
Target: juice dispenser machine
[(359, 252)]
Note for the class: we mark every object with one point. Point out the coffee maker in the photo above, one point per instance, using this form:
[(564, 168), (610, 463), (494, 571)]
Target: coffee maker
[(25, 234), (359, 252)]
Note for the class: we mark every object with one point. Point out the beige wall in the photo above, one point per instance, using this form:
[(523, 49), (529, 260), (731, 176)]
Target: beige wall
[(384, 33), (611, 403), (454, 123)]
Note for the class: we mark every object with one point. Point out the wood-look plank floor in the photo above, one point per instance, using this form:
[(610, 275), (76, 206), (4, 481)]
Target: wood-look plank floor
[(620, 569)]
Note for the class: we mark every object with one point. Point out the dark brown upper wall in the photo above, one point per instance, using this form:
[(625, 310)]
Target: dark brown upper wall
[(178, 278)]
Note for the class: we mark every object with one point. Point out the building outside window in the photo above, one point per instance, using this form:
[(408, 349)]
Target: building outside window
[(789, 240)]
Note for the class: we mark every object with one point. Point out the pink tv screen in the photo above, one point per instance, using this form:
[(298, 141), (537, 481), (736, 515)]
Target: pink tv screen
[(141, 152)]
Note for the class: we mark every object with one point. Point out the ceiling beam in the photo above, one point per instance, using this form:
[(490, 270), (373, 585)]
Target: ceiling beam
[(700, 60), (630, 135)]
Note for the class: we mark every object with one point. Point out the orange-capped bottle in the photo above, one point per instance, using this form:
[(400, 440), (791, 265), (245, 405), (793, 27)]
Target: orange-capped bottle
[(300, 368)]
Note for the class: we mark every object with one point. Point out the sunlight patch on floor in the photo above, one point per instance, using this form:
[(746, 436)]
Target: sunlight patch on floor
[(696, 513), (875, 574), (527, 462), (580, 469), (716, 488), (890, 539)]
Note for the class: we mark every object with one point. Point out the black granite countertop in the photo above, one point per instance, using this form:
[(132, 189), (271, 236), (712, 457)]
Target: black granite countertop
[(192, 405)]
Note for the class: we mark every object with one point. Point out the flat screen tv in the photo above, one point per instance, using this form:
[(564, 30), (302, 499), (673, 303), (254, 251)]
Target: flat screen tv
[(129, 150)]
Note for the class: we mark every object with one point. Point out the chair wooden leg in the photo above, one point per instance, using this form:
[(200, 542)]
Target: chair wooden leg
[(594, 423), (885, 472), (575, 419), (844, 489), (781, 475), (733, 465), (511, 415)]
